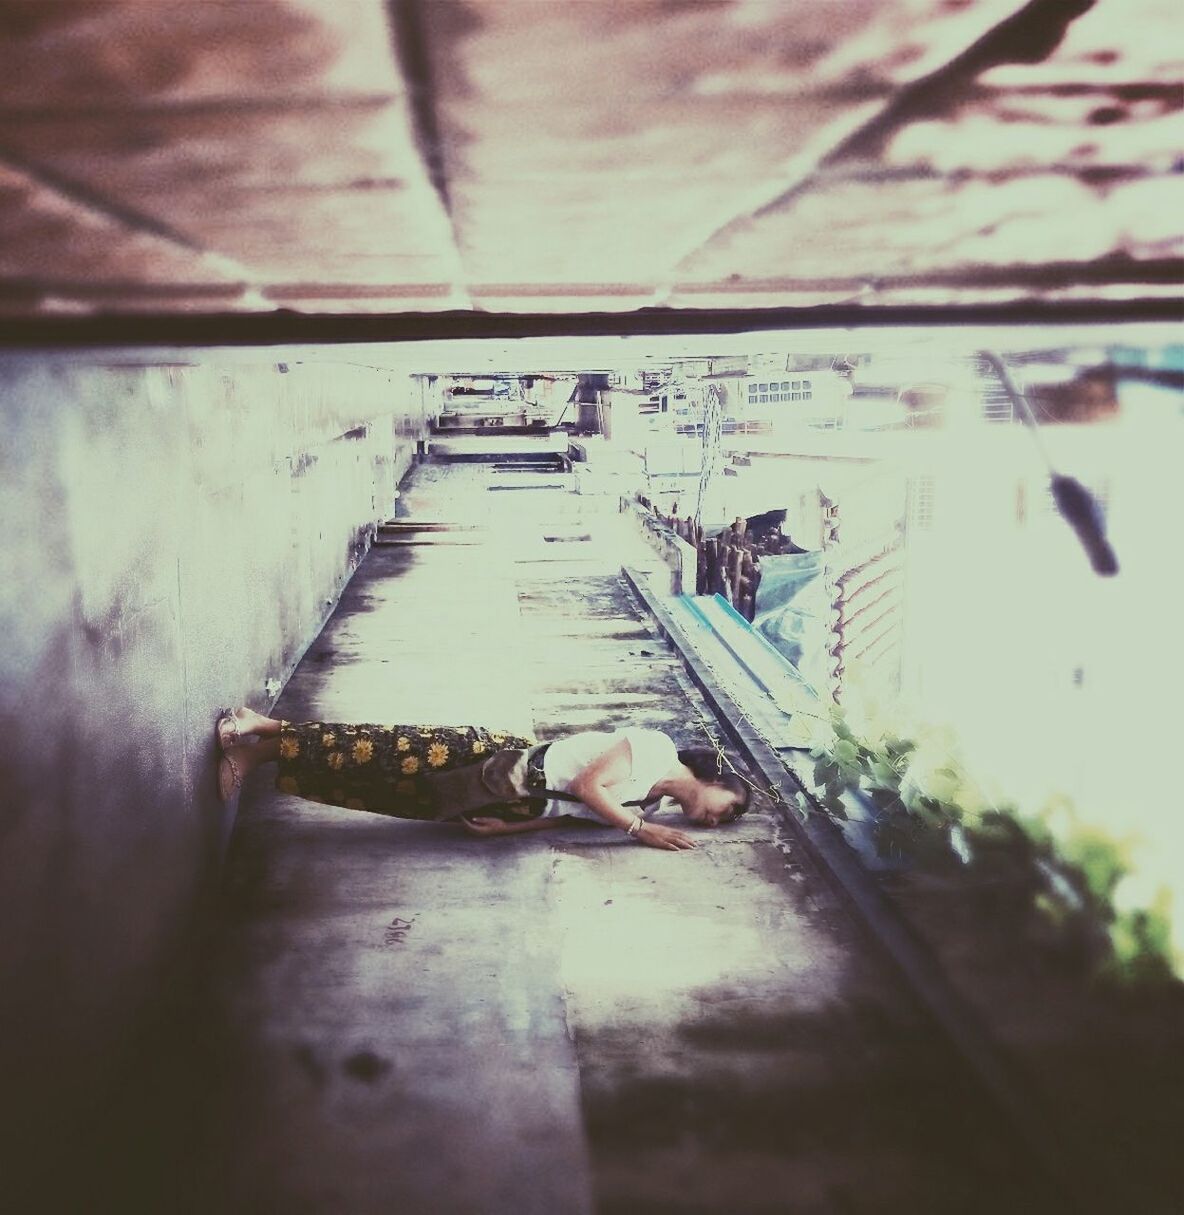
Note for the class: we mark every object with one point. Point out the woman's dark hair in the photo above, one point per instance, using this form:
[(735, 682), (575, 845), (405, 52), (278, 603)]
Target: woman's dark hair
[(707, 765)]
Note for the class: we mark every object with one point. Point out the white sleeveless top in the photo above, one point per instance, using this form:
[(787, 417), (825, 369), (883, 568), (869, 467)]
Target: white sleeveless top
[(654, 756)]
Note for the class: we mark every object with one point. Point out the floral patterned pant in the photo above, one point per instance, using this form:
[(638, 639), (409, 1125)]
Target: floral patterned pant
[(383, 769)]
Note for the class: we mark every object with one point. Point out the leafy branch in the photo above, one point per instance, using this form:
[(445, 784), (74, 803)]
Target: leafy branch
[(929, 812)]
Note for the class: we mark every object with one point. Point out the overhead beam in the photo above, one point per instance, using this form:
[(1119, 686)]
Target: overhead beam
[(283, 328)]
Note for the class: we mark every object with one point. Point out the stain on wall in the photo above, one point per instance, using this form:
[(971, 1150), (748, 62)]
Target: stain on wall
[(175, 536)]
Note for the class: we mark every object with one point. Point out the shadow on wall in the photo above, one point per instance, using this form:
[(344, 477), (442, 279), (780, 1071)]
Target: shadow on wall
[(175, 538)]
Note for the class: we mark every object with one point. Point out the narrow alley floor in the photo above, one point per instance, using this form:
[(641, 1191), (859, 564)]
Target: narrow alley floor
[(408, 1019)]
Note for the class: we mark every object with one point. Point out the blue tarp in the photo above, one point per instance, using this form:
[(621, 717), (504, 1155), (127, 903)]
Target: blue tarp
[(792, 612)]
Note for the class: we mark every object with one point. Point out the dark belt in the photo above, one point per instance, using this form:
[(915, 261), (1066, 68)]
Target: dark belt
[(535, 779)]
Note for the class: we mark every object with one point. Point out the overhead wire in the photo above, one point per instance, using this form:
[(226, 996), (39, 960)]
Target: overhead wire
[(712, 435), (1076, 504)]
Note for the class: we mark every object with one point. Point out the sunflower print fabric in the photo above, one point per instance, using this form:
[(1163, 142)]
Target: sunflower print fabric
[(381, 768)]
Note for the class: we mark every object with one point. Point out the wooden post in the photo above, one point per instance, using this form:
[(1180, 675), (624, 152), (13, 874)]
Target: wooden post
[(746, 577), (734, 575)]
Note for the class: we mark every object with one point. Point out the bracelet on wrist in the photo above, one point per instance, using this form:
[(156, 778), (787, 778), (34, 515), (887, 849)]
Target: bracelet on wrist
[(634, 828)]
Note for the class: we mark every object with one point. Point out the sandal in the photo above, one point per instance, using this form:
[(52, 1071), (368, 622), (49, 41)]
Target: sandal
[(230, 779), (230, 736)]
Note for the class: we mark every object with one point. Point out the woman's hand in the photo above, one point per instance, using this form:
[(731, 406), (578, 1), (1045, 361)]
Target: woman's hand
[(483, 825), (654, 835)]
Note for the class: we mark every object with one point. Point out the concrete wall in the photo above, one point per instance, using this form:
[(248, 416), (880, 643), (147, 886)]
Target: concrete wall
[(174, 537), (677, 556)]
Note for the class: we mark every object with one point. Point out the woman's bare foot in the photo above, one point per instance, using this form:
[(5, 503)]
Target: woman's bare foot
[(239, 760), (237, 724)]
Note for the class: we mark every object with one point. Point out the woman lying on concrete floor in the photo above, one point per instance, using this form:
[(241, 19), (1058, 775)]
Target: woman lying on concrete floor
[(441, 773)]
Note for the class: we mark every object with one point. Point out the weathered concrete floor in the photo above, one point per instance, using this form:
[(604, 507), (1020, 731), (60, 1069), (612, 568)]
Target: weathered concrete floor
[(407, 1019)]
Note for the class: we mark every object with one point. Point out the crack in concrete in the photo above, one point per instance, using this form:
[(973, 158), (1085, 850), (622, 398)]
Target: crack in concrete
[(232, 275), (92, 200), (1028, 35), (411, 52), (409, 45)]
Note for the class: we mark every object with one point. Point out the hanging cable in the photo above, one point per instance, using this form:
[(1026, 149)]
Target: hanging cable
[(712, 432), (1076, 504)]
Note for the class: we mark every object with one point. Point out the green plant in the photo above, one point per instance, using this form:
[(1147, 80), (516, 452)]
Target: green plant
[(1141, 943), (929, 811)]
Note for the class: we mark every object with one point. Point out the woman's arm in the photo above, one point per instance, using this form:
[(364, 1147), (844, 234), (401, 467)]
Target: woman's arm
[(482, 825), (593, 786)]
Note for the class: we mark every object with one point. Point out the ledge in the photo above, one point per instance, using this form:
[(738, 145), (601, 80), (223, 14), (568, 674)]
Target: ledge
[(679, 556), (826, 846)]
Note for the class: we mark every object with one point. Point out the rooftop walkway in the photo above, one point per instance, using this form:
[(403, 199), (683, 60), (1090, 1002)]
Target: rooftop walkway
[(407, 1019)]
